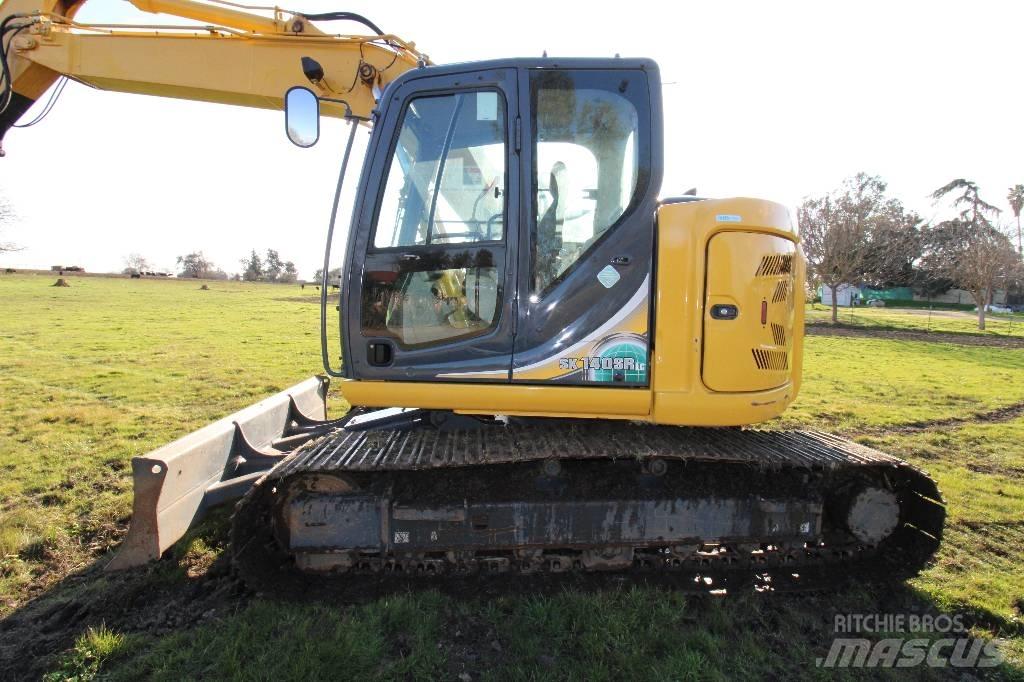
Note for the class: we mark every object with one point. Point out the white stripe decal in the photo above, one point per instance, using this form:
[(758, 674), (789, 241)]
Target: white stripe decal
[(635, 302), (481, 373)]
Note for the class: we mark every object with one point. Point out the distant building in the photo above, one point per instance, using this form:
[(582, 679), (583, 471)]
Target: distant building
[(849, 294), (846, 294)]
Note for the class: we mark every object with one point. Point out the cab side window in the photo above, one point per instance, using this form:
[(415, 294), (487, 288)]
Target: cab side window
[(586, 160)]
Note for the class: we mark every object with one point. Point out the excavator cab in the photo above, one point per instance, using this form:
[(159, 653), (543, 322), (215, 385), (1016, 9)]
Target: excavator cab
[(508, 237), (505, 226)]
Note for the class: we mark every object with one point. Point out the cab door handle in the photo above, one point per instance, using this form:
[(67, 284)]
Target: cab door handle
[(409, 257)]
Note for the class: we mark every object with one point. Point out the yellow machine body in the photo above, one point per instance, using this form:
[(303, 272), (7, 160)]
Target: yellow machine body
[(704, 371)]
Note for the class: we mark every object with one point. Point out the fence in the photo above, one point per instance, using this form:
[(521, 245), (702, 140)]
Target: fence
[(920, 318)]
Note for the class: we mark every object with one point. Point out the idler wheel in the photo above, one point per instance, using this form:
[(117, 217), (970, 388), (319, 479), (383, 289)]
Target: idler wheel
[(872, 514)]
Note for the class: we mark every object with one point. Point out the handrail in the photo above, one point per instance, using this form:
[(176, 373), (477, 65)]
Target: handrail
[(325, 275)]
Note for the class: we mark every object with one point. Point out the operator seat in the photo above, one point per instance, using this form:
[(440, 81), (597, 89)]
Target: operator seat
[(549, 228)]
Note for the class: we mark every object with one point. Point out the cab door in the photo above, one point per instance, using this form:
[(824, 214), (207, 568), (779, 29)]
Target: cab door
[(592, 160), (430, 274)]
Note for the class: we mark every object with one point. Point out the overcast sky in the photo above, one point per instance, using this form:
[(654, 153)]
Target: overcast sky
[(768, 99)]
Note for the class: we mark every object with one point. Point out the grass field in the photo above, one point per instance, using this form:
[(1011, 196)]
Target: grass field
[(921, 319), (109, 368)]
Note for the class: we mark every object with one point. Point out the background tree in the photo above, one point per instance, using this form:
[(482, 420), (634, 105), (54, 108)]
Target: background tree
[(855, 234), (929, 281), (894, 247), (333, 275), (268, 269), (272, 266), (290, 273), (973, 208), (217, 273), (252, 268), (970, 249), (194, 265), (1016, 199), (136, 264)]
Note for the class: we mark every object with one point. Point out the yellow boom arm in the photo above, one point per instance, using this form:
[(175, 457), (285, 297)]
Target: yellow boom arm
[(236, 58)]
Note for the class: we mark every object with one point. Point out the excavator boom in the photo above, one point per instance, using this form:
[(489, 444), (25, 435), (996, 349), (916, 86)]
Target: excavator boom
[(235, 58)]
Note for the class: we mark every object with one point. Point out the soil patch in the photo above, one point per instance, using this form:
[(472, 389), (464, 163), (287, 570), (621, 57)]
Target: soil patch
[(135, 601)]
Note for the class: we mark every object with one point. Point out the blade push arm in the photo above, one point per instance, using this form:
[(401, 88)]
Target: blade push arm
[(239, 58)]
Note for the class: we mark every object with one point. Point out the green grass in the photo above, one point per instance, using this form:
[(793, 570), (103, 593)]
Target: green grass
[(852, 384), (638, 632), (94, 649), (921, 319), (111, 368), (107, 369)]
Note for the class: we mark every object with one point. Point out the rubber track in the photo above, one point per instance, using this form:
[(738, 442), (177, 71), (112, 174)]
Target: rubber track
[(268, 569), (430, 448)]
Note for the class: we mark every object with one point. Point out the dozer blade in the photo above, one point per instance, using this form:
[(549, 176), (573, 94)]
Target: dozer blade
[(176, 484)]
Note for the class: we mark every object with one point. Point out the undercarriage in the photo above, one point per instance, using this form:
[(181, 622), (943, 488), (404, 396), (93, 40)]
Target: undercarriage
[(432, 498)]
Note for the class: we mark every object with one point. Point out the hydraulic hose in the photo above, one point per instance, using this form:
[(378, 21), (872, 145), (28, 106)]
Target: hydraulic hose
[(345, 16)]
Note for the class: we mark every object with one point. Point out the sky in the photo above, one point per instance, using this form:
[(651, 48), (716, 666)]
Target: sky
[(777, 100)]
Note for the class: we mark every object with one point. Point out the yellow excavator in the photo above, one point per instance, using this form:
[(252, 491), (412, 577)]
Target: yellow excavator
[(550, 365)]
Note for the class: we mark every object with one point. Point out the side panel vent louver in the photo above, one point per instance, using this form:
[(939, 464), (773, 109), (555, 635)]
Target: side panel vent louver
[(775, 360), (781, 291), (778, 334), (773, 266)]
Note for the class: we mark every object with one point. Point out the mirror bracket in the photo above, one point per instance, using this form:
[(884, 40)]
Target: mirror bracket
[(302, 115)]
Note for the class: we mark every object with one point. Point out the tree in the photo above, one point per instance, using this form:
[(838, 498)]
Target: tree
[(272, 266), (194, 265), (276, 270), (974, 209), (1016, 199), (333, 275), (970, 249), (894, 247), (856, 233), (290, 273), (252, 268), (136, 264), (269, 269)]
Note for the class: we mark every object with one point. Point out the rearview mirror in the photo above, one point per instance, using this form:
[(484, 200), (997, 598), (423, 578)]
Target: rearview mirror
[(302, 116)]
